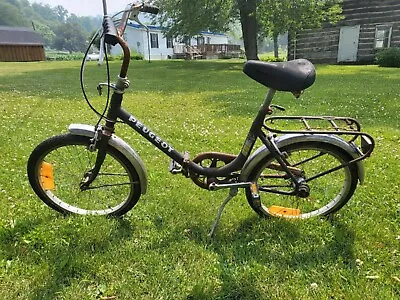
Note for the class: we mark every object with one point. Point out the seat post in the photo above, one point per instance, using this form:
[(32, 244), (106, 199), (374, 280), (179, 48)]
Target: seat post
[(268, 98)]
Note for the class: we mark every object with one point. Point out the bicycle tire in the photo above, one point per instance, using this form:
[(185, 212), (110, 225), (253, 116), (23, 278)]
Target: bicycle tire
[(56, 168), (328, 193)]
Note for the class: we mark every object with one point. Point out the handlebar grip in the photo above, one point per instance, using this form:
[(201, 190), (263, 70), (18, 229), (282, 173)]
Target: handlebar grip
[(110, 32), (150, 9)]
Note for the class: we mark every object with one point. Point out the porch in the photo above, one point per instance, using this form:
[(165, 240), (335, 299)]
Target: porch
[(206, 51)]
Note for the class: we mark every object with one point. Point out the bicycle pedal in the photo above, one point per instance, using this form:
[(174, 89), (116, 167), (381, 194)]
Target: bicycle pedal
[(174, 168)]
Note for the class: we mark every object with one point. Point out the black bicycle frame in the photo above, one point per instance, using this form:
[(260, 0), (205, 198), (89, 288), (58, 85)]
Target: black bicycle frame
[(117, 112)]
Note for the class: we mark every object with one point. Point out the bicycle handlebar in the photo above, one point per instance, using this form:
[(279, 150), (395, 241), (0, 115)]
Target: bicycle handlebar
[(110, 32), (112, 36)]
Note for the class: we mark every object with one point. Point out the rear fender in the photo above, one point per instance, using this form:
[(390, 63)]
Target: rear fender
[(289, 139), (121, 146)]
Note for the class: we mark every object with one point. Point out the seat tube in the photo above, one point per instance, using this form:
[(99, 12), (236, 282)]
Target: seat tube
[(255, 129)]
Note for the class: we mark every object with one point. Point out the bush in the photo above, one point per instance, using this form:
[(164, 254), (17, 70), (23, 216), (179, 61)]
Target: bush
[(134, 56), (110, 57), (63, 55), (270, 58), (388, 58)]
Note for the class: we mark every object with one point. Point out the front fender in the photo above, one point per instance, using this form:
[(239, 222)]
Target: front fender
[(289, 139), (121, 146)]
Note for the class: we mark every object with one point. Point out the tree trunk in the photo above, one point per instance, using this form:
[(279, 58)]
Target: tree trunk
[(248, 21), (276, 46)]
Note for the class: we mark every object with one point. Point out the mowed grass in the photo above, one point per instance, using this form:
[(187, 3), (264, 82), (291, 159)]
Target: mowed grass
[(160, 250)]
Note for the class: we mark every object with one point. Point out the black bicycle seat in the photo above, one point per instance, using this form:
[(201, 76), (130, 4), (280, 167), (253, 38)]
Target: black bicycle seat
[(291, 76)]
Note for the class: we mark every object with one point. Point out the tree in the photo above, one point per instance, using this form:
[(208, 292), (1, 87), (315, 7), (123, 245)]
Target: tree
[(279, 17), (188, 18), (45, 12), (46, 33), (248, 20), (10, 15), (69, 36), (61, 13)]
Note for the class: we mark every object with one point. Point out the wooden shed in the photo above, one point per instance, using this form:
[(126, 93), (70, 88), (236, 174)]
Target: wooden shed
[(20, 44), (368, 26)]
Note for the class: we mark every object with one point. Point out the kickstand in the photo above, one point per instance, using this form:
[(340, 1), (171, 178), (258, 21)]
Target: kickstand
[(232, 193)]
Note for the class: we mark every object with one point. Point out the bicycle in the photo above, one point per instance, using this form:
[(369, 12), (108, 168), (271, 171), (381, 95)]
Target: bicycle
[(296, 173)]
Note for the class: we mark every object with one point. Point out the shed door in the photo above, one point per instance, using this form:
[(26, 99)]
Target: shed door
[(348, 43)]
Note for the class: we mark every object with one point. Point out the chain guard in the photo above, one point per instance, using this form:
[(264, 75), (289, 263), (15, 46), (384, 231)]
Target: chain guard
[(211, 160)]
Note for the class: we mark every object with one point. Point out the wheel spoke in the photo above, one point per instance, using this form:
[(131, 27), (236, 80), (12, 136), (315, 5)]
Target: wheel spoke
[(115, 190), (329, 191)]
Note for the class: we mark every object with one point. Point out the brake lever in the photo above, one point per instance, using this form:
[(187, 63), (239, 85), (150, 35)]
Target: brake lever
[(135, 17)]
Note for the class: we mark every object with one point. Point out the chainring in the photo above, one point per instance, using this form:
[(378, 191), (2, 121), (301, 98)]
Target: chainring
[(211, 160)]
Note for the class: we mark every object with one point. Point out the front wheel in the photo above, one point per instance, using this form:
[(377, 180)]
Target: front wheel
[(57, 166), (327, 193)]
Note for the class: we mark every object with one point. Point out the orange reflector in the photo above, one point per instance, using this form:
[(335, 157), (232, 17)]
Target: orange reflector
[(284, 211), (46, 176)]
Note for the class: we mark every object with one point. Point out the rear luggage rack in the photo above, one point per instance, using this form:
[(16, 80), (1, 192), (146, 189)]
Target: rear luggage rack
[(342, 126)]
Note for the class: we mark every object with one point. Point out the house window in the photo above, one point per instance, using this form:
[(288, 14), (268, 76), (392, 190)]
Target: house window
[(200, 40), (154, 40), (170, 43), (186, 41), (383, 36), (209, 40)]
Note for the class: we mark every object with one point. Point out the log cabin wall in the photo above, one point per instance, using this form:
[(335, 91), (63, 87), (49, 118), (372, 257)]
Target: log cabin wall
[(368, 26)]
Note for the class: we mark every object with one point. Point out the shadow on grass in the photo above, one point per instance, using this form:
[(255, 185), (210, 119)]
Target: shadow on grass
[(60, 250), (275, 244)]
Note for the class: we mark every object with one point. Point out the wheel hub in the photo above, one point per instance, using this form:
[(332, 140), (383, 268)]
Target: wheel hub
[(303, 191)]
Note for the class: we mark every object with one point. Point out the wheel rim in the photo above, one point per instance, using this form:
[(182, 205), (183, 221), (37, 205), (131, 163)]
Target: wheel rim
[(326, 192), (69, 163)]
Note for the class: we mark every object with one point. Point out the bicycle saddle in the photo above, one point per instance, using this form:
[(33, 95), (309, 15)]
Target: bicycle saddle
[(291, 76)]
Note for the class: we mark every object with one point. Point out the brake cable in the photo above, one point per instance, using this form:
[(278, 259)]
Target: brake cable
[(82, 70)]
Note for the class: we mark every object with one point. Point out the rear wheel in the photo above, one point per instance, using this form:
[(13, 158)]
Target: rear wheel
[(57, 166), (327, 193)]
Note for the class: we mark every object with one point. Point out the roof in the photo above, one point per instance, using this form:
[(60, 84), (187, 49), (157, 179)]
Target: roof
[(19, 36), (159, 28)]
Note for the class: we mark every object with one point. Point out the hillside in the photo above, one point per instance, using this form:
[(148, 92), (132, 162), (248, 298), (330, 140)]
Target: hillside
[(59, 29)]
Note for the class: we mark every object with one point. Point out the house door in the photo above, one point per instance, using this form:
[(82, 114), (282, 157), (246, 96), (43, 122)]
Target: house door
[(348, 43)]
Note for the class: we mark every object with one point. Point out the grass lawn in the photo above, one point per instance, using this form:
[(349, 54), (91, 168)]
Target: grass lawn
[(160, 250)]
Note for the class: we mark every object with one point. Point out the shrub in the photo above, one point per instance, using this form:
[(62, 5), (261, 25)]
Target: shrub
[(134, 56), (110, 57), (388, 58), (63, 55), (271, 59)]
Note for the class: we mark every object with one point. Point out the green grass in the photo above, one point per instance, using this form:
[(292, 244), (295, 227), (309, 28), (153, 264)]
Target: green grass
[(160, 249)]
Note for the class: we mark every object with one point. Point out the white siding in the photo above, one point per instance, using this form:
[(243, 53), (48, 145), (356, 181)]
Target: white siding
[(138, 41), (214, 39)]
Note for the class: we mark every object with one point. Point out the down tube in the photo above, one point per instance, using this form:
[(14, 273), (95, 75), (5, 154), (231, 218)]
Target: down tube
[(150, 135)]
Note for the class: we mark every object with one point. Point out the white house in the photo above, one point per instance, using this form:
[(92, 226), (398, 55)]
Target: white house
[(160, 46)]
